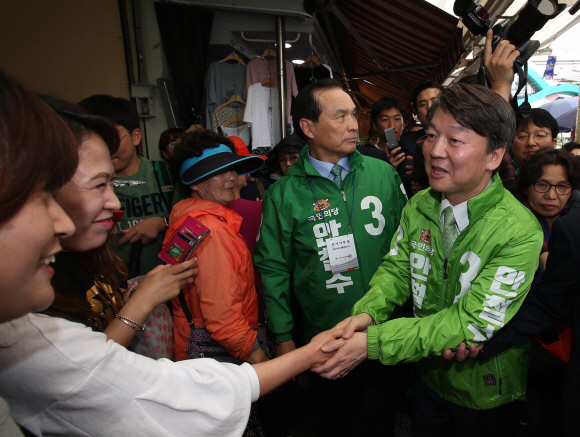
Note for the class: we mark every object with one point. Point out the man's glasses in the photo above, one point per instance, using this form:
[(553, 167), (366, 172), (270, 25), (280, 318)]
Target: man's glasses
[(544, 187), (539, 137)]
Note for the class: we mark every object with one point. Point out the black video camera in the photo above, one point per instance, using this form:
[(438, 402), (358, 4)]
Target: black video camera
[(531, 18)]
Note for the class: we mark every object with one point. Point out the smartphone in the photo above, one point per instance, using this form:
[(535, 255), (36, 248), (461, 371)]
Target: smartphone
[(391, 138), (184, 241)]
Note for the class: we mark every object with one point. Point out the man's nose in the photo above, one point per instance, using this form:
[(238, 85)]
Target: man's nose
[(438, 149), (531, 142)]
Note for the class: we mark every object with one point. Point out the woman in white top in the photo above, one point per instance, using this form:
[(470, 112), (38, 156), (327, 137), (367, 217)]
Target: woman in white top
[(62, 378)]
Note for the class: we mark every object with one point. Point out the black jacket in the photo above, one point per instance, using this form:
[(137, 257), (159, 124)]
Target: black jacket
[(554, 301)]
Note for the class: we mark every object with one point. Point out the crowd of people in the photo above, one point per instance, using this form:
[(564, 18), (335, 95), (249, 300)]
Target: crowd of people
[(449, 251)]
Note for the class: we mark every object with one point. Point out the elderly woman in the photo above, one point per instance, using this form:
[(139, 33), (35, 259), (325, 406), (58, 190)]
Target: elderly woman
[(546, 180), (222, 300)]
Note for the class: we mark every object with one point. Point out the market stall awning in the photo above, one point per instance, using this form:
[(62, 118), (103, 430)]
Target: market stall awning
[(387, 48)]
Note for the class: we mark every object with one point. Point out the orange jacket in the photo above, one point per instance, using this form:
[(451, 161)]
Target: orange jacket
[(223, 297)]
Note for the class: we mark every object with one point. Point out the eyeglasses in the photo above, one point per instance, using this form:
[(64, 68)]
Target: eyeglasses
[(172, 145), (544, 187), (539, 137), (292, 159), (127, 134)]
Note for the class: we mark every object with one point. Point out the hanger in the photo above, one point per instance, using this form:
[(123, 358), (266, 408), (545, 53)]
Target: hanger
[(268, 52), (238, 118), (234, 98), (310, 59), (267, 81), (233, 57)]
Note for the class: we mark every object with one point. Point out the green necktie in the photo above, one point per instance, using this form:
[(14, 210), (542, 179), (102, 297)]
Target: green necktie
[(337, 172), (449, 230)]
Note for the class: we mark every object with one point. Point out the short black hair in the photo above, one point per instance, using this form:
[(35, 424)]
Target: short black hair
[(117, 109), (480, 109), (383, 104), (291, 142), (306, 104), (541, 118), (531, 170), (192, 145), (424, 86), (168, 136), (568, 147)]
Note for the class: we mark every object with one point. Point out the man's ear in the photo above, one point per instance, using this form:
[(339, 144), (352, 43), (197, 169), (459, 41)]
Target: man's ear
[(307, 127), (495, 158), (136, 136)]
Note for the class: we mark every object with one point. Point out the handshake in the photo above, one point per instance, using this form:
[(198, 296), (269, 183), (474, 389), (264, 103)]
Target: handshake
[(339, 350), (342, 348)]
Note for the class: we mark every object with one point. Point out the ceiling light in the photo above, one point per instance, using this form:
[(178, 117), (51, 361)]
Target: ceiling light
[(287, 45), (297, 61)]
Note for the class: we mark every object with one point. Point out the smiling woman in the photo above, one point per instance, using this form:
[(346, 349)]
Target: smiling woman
[(86, 285), (31, 136)]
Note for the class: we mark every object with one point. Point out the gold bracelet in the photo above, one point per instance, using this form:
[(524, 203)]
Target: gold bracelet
[(127, 321)]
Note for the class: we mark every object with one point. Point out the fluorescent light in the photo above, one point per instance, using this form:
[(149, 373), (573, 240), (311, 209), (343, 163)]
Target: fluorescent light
[(297, 61), (287, 45), (370, 83)]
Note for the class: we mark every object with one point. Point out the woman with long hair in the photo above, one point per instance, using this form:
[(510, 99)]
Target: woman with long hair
[(86, 285)]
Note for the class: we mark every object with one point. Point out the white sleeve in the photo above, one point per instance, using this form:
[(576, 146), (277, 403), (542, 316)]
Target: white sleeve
[(61, 378), (249, 108)]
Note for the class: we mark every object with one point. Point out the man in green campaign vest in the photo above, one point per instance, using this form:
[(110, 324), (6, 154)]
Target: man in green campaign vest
[(465, 251), (327, 224)]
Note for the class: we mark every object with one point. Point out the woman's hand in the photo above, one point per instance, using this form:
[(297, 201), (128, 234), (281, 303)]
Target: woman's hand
[(158, 286), (164, 282)]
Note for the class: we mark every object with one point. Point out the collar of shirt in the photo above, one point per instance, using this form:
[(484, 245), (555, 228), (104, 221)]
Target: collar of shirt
[(324, 167), (459, 211)]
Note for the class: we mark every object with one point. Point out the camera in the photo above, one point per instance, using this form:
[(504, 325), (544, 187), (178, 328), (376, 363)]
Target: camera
[(531, 18)]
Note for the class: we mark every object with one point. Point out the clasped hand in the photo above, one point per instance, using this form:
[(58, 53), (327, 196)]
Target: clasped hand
[(349, 350)]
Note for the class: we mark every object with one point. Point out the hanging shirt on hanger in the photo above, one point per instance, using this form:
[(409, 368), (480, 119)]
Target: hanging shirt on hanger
[(242, 131), (223, 81), (223, 114), (263, 112), (258, 69)]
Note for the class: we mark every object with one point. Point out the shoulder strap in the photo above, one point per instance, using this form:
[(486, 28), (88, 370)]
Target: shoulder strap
[(164, 182), (185, 308), (261, 188)]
